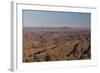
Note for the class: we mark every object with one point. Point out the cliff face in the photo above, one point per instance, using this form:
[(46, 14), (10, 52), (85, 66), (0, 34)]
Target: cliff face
[(55, 44)]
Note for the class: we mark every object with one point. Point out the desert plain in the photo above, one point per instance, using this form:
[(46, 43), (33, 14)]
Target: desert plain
[(56, 44)]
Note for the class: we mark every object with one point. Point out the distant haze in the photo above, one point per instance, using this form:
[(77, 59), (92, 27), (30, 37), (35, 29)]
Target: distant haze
[(35, 18)]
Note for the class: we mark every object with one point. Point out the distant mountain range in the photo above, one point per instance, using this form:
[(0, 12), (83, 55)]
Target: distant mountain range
[(32, 29)]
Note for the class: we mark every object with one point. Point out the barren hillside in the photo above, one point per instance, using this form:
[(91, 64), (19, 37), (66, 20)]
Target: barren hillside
[(55, 44)]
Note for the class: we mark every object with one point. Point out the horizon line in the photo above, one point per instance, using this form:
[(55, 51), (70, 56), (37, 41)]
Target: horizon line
[(55, 27)]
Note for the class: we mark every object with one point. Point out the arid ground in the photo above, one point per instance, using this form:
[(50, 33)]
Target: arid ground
[(56, 44)]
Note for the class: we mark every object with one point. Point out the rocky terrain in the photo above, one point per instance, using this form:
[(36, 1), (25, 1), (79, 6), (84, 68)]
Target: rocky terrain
[(56, 44)]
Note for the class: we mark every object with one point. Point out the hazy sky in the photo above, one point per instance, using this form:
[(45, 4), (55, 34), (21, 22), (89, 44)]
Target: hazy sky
[(32, 18)]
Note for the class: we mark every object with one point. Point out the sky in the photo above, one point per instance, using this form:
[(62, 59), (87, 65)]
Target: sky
[(36, 18)]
